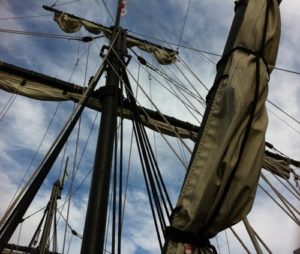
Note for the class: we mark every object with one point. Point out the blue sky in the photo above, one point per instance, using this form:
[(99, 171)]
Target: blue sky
[(206, 28)]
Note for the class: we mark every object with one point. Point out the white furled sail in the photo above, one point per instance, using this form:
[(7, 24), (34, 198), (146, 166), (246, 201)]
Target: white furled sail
[(222, 178), (72, 24)]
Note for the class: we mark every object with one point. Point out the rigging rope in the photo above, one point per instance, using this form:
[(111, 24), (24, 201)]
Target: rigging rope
[(227, 241), (261, 241), (184, 22), (158, 111), (64, 3), (240, 240), (114, 208), (120, 176), (194, 74), (51, 36), (217, 242), (293, 191), (7, 106), (285, 122), (188, 105), (284, 112), (288, 205), (152, 176), (277, 203), (16, 197), (202, 51), (72, 181), (179, 84), (27, 17), (107, 9), (129, 158)]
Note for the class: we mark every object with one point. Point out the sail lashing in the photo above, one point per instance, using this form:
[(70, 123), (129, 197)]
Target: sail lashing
[(222, 177)]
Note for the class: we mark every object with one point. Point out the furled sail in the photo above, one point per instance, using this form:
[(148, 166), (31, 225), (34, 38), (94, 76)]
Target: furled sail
[(34, 85), (37, 86), (222, 178), (72, 24)]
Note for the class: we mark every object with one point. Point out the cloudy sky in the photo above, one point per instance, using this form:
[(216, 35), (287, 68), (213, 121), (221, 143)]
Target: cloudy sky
[(24, 122)]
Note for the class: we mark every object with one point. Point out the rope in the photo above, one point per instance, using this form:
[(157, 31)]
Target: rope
[(114, 193), (286, 70), (107, 9), (252, 236), (188, 106), (277, 203), (285, 122), (120, 178), (19, 235), (69, 226), (51, 36), (64, 3), (164, 75), (151, 107), (180, 88), (108, 218), (293, 191), (217, 241), (197, 92), (166, 121), (148, 193), (72, 181), (227, 242), (38, 34), (176, 134), (8, 106), (186, 15), (16, 197), (261, 241), (129, 159), (184, 74), (284, 112), (69, 245), (193, 73), (151, 173), (288, 205), (240, 240), (75, 168), (26, 17), (202, 51)]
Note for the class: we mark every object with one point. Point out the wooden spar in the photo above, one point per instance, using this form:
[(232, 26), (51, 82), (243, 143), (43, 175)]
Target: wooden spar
[(185, 129)]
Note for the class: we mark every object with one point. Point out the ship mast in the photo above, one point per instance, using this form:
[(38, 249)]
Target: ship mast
[(95, 222)]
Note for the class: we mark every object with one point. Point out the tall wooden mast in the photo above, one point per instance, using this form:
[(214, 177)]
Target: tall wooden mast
[(95, 222)]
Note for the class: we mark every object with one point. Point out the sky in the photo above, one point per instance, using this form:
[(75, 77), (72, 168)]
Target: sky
[(24, 123)]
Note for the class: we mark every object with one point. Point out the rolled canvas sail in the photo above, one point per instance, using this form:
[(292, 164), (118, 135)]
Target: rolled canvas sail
[(72, 24), (37, 86), (222, 178)]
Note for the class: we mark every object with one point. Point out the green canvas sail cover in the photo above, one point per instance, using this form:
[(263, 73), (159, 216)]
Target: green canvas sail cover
[(222, 178), (72, 24)]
